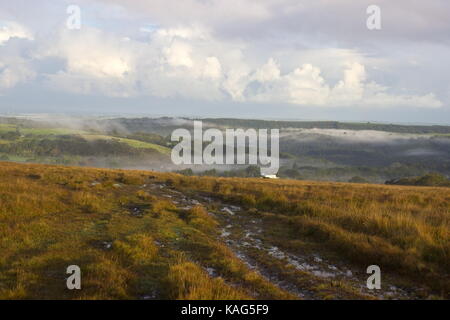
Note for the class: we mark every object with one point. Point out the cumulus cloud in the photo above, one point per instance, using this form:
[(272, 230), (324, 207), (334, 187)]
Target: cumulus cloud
[(14, 69), (95, 62), (11, 29), (187, 53), (191, 63), (14, 72), (306, 86)]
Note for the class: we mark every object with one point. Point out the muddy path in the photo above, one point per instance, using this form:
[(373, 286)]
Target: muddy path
[(308, 275)]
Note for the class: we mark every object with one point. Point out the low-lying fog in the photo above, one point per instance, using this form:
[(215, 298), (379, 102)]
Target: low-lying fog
[(369, 136)]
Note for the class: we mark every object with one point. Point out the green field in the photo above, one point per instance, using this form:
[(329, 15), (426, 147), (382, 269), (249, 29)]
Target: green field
[(27, 135), (130, 142)]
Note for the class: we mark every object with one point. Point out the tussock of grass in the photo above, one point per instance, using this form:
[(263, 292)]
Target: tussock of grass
[(199, 218), (187, 282), (136, 249)]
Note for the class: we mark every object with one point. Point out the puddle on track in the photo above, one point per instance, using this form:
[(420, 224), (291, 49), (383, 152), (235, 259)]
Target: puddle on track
[(234, 221)]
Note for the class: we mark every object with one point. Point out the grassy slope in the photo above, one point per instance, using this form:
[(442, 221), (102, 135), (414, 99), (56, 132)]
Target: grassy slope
[(52, 132), (39, 131), (52, 217), (134, 143)]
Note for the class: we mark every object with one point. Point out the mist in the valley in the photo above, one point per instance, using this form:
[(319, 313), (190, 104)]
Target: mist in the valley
[(76, 123), (378, 145), (306, 153)]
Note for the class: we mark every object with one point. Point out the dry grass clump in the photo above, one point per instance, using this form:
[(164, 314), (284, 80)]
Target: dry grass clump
[(136, 249), (199, 218), (187, 281)]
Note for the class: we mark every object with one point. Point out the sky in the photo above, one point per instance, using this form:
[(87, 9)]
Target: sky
[(276, 59)]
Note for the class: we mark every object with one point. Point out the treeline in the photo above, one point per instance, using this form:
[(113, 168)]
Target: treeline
[(429, 153), (248, 172), (10, 135), (395, 174), (248, 123), (347, 173), (161, 126), (429, 180)]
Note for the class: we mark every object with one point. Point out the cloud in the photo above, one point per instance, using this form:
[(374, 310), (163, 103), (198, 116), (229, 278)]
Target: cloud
[(306, 86), (263, 52), (342, 21), (11, 29), (179, 55), (213, 68), (14, 68), (190, 62), (94, 63), (95, 53), (208, 12), (14, 72), (172, 63)]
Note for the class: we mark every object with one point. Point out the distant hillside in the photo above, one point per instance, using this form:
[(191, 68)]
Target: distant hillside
[(325, 151), (244, 123), (164, 125), (31, 141)]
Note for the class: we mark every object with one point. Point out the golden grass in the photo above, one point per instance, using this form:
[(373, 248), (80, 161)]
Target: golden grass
[(405, 229), (52, 216), (187, 282)]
